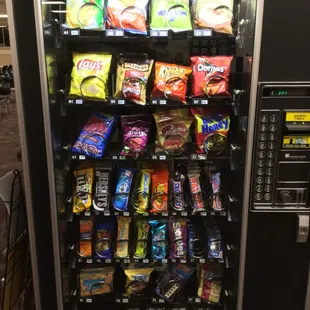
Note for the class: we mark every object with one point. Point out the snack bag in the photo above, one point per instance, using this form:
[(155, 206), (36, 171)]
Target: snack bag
[(89, 76), (178, 237), (83, 192), (123, 186), (160, 191), (171, 81), (122, 240), (196, 241), (172, 130), (173, 281), (85, 14), (142, 230), (212, 126), (170, 15), (104, 234), (129, 15), (215, 248), (131, 79), (211, 75), (137, 281), (101, 199), (210, 284), (94, 136), (215, 198), (86, 233), (159, 236), (214, 14), (136, 130), (98, 281)]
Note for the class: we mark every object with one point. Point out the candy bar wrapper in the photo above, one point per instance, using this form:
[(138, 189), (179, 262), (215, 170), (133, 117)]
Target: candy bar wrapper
[(210, 284), (215, 249), (160, 192), (83, 192), (159, 239), (178, 237), (144, 192), (104, 234), (94, 136), (98, 281), (136, 130), (101, 199), (142, 229), (196, 192), (122, 241), (216, 200), (137, 281), (173, 281), (86, 233), (178, 192), (123, 186)]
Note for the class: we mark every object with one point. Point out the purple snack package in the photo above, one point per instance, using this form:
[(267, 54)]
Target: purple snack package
[(178, 237), (136, 129)]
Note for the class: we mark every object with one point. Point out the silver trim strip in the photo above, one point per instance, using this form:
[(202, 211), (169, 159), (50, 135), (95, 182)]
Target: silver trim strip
[(23, 144), (49, 151), (250, 142)]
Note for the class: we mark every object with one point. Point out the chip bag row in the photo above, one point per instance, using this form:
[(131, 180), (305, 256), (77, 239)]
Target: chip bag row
[(90, 74), (131, 15)]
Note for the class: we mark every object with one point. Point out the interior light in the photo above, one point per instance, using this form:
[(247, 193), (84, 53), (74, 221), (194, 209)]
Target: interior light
[(53, 2), (3, 16)]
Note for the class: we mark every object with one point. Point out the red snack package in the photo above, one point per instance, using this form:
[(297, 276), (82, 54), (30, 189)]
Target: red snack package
[(211, 75), (212, 126), (171, 81)]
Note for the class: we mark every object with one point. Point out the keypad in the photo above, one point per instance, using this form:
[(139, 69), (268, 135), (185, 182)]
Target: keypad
[(266, 155)]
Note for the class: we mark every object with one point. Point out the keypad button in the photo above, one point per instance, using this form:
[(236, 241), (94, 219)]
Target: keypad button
[(274, 118), (262, 145), (267, 197), (261, 154), (272, 137), (271, 154), (270, 163), (263, 127), (258, 196), (263, 137), (264, 118), (273, 127), (269, 171), (268, 180), (271, 145), (260, 180), (268, 188), (260, 171), (259, 188), (260, 163)]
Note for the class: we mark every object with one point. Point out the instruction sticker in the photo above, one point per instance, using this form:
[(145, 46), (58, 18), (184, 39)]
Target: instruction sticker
[(298, 116), (296, 142)]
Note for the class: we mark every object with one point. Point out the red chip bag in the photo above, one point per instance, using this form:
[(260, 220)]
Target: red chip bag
[(211, 75)]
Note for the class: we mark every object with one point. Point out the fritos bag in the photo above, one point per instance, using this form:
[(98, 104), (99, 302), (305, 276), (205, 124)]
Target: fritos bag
[(214, 14), (129, 15), (171, 81), (89, 75), (211, 75), (131, 79)]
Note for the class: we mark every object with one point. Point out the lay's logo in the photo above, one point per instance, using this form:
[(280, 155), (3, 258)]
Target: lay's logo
[(88, 64)]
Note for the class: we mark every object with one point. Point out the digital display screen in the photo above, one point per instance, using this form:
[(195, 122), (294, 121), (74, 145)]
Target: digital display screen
[(286, 92)]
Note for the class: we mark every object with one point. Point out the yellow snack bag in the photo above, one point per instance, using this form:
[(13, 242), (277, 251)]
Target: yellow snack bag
[(122, 241), (83, 191), (89, 76), (137, 281)]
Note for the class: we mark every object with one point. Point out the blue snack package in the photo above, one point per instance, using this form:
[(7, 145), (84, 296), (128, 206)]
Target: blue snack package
[(104, 233), (121, 197), (94, 136), (159, 236), (173, 281), (196, 242), (215, 249)]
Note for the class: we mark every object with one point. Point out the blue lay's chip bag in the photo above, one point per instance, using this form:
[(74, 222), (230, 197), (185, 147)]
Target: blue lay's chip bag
[(159, 236), (104, 233), (94, 136)]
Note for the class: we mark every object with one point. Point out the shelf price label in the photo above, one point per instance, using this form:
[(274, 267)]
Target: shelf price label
[(114, 32), (159, 33), (159, 101), (70, 32), (200, 101), (202, 32)]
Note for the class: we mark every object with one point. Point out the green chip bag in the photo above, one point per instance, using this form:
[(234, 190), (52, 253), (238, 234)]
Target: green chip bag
[(85, 14), (170, 15)]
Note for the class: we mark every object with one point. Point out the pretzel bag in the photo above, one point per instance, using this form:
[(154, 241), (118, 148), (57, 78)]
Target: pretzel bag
[(171, 81), (89, 75), (211, 75), (131, 79)]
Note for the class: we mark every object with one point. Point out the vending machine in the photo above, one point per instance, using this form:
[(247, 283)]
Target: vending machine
[(176, 172)]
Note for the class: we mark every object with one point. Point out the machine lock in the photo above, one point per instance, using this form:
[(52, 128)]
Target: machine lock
[(302, 228)]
